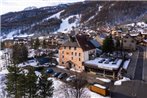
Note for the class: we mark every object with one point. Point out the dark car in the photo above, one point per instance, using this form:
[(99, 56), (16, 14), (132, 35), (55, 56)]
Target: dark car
[(49, 71), (63, 75), (56, 74)]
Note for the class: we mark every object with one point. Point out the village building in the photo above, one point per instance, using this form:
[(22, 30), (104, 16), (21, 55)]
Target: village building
[(129, 43), (75, 51), (106, 67)]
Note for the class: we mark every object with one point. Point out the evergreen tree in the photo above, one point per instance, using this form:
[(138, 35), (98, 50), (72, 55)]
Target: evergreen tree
[(108, 45), (19, 54), (44, 44), (117, 44), (36, 44), (45, 87), (31, 87), (13, 84)]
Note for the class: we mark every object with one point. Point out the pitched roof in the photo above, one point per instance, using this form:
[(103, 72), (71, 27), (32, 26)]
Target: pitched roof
[(84, 43), (71, 44)]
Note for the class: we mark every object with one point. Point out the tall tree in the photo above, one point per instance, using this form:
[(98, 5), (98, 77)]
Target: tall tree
[(45, 87), (36, 44), (31, 87), (13, 84), (108, 45), (44, 44), (19, 54)]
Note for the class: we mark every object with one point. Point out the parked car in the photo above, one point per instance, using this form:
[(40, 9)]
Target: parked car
[(71, 78), (56, 74), (63, 75), (49, 71)]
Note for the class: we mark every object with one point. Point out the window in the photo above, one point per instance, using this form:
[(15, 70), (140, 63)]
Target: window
[(75, 54), (62, 62), (74, 48), (72, 53), (64, 47), (132, 41), (71, 58), (63, 56), (79, 59), (69, 47), (125, 41), (62, 52), (79, 54)]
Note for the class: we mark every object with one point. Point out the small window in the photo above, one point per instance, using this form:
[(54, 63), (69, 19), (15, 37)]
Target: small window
[(62, 62), (125, 41), (63, 56), (132, 41), (69, 47), (79, 54), (75, 54), (71, 58), (79, 59), (74, 48), (72, 53), (64, 47), (62, 52)]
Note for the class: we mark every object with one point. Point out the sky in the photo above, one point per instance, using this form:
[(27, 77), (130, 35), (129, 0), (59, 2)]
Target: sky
[(18, 5)]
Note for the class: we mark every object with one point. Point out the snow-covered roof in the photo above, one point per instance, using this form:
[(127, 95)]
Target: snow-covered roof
[(103, 65), (100, 86), (126, 64)]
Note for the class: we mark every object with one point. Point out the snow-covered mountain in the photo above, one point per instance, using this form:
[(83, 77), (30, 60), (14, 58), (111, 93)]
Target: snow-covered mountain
[(30, 8), (64, 17)]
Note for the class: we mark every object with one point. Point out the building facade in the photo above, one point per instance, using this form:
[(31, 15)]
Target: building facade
[(73, 53)]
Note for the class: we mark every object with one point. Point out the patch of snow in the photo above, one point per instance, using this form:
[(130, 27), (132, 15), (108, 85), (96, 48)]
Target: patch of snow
[(11, 34), (38, 73), (100, 86), (33, 63), (57, 94), (65, 26), (119, 82), (57, 15), (104, 80), (72, 69), (61, 67), (100, 7), (3, 93), (126, 64)]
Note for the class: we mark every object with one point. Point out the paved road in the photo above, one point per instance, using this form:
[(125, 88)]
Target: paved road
[(145, 65), (130, 89), (139, 65)]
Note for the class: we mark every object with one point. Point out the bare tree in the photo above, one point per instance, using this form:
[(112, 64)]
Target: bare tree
[(75, 88)]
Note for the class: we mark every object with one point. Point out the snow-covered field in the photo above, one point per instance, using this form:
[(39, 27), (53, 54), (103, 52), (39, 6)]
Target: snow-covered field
[(59, 90)]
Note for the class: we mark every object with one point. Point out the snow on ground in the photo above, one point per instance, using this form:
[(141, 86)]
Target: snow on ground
[(61, 67), (31, 53), (119, 82), (2, 83), (38, 73), (57, 15), (59, 92), (103, 65), (65, 26), (11, 34), (72, 69), (126, 64), (100, 7), (33, 63), (104, 80)]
